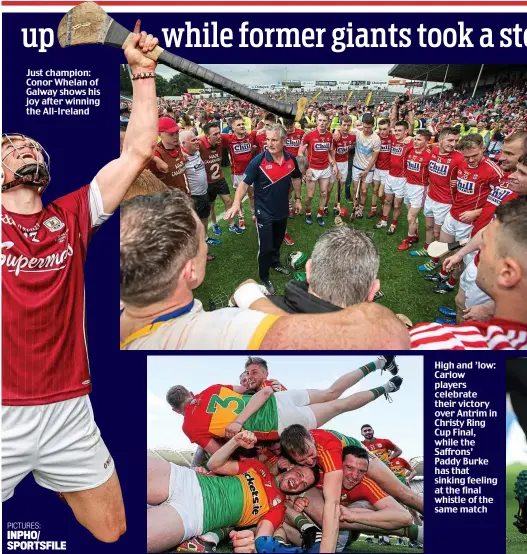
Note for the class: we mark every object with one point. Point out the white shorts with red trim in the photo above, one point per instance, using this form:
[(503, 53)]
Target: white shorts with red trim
[(474, 296), (321, 173), (456, 228), (395, 186), (437, 210), (415, 195), (59, 443), (380, 175)]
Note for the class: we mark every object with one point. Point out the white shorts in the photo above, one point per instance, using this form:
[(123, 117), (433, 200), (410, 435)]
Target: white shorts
[(415, 195), (474, 296), (321, 173), (343, 168), (455, 228), (355, 175), (380, 175), (236, 180), (437, 210), (292, 407), (59, 443), (185, 496), (395, 186)]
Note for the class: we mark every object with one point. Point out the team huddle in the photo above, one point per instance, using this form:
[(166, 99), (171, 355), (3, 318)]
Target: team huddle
[(470, 203), (266, 476)]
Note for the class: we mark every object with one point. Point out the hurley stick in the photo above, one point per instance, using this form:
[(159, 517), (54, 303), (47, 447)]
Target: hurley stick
[(88, 23)]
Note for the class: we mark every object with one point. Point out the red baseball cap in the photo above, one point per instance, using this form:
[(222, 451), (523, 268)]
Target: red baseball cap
[(167, 125)]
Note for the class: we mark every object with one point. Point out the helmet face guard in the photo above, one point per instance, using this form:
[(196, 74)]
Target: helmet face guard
[(32, 173)]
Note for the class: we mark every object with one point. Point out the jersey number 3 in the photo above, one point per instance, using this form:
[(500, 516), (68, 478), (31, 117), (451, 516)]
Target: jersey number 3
[(224, 403)]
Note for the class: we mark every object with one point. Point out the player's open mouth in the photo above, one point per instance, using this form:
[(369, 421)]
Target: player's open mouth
[(26, 155), (291, 483)]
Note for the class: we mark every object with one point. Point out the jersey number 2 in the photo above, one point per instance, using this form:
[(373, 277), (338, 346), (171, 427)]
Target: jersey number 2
[(215, 171)]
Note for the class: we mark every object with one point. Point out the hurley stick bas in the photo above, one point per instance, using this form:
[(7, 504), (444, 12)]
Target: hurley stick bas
[(338, 218), (437, 249), (356, 201), (88, 23)]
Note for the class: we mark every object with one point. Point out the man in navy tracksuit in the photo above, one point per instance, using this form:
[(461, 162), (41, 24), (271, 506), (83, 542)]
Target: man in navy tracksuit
[(271, 173)]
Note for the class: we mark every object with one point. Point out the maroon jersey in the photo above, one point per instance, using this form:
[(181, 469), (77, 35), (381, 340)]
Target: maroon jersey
[(398, 156), (44, 348), (211, 156), (293, 141), (240, 152), (383, 159), (342, 147), (442, 173), (318, 147), (417, 167), (474, 185), (175, 177)]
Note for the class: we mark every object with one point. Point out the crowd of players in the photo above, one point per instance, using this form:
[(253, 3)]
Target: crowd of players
[(448, 169), (263, 464)]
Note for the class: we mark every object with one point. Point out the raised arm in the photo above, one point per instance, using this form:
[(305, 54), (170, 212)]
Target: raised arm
[(256, 402), (221, 462), (115, 178)]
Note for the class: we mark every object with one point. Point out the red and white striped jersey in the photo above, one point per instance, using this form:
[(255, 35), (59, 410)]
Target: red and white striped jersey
[(495, 334)]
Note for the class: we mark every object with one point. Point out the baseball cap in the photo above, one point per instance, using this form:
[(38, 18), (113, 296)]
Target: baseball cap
[(167, 125)]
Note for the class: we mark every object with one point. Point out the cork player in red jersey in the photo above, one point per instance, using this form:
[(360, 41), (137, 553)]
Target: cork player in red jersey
[(46, 379), (416, 184), (320, 150), (240, 146), (501, 275)]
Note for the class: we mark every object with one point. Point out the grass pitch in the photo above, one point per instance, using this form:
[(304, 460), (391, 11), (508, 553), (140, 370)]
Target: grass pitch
[(516, 542), (404, 287)]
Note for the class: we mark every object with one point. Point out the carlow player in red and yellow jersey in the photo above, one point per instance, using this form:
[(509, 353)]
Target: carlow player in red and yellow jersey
[(384, 449), (324, 449), (400, 468), (184, 504), (222, 410), (258, 375)]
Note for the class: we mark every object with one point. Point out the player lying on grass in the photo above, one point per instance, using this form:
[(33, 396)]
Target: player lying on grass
[(364, 506), (163, 259), (184, 503), (324, 449), (223, 410)]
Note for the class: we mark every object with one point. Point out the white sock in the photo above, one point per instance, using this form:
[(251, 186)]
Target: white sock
[(211, 537)]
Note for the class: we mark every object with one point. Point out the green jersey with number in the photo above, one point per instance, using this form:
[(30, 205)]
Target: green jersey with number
[(214, 409)]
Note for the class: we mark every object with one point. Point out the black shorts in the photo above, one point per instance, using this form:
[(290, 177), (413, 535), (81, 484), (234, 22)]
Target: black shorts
[(218, 189), (202, 205)]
